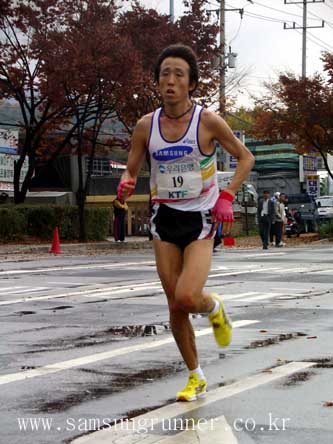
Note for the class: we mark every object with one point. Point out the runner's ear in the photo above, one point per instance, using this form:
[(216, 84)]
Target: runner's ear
[(192, 86)]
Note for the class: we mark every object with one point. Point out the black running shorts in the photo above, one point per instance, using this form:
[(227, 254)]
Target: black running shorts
[(180, 227)]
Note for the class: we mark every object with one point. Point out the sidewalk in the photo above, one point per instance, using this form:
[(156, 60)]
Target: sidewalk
[(12, 250), (131, 243)]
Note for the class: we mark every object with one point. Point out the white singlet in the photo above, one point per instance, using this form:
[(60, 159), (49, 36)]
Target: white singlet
[(182, 177)]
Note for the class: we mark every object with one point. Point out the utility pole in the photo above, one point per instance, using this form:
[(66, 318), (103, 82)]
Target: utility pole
[(172, 11), (222, 57), (304, 27), (222, 64)]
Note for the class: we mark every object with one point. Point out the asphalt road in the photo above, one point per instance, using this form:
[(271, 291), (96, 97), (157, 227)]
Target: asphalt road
[(85, 343)]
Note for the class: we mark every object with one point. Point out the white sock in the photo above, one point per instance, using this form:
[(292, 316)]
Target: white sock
[(199, 372), (216, 308)]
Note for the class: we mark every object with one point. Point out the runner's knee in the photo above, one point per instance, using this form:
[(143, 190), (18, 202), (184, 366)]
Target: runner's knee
[(185, 298)]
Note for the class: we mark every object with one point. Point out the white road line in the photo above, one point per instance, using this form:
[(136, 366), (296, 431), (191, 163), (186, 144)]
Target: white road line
[(113, 435), (132, 292), (89, 359), (288, 289), (261, 297), (5, 289), (216, 430), (256, 270), (105, 291), (227, 297), (301, 270), (75, 267), (95, 291), (27, 290), (221, 432), (266, 254), (323, 271)]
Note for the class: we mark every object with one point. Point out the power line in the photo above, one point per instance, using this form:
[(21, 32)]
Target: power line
[(277, 20), (213, 4), (327, 45), (274, 9), (317, 16), (237, 32), (304, 27), (314, 41), (265, 18)]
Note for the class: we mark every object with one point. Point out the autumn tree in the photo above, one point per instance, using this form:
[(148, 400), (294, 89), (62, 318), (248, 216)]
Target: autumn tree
[(89, 66), (300, 111), (240, 119), (148, 32), (22, 79)]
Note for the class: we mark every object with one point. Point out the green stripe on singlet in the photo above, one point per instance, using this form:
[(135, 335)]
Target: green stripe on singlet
[(205, 162)]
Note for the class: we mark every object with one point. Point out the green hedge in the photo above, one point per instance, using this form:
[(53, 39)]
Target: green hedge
[(39, 221), (326, 229), (13, 224)]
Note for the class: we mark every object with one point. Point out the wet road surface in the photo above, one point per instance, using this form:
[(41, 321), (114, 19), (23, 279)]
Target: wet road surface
[(86, 344)]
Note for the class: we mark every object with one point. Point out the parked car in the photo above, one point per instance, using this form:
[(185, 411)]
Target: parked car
[(325, 207)]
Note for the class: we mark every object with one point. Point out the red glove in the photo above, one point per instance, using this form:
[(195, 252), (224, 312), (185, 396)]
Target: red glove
[(222, 210), (125, 189)]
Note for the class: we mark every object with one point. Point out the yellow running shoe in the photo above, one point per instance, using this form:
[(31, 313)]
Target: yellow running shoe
[(194, 389), (221, 324)]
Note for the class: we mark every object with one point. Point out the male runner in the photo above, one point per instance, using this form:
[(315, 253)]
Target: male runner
[(186, 204)]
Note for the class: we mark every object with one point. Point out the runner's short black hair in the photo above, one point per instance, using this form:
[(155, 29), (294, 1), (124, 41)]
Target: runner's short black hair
[(183, 52)]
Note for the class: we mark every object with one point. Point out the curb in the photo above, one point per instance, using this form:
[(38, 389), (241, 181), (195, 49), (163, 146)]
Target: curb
[(73, 248)]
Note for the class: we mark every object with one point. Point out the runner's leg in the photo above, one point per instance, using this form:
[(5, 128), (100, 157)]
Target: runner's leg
[(169, 262), (196, 266), (189, 291)]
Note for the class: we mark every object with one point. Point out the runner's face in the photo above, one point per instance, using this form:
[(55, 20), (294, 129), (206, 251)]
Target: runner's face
[(174, 80)]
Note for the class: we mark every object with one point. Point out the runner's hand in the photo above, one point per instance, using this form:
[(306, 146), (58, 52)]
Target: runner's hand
[(125, 189), (223, 212)]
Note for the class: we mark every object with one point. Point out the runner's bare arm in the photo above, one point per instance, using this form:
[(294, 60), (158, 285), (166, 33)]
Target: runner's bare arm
[(138, 149), (136, 156), (221, 132)]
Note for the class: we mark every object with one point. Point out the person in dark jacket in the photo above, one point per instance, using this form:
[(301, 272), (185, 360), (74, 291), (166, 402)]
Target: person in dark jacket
[(119, 212), (265, 215)]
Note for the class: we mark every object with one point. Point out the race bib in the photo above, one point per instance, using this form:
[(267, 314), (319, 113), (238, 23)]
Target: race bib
[(179, 180)]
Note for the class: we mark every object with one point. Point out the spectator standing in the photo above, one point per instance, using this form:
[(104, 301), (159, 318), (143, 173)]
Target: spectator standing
[(279, 220), (285, 220), (272, 231), (119, 213), (265, 217)]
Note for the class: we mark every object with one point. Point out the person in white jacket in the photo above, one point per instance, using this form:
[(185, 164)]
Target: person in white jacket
[(280, 215)]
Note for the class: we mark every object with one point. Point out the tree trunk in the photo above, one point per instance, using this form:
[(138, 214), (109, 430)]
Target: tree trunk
[(325, 163), (81, 197)]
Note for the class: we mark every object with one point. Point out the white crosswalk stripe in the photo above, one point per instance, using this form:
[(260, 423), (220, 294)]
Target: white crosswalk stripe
[(20, 290), (113, 292), (89, 359), (113, 436), (4, 290), (75, 267), (119, 293)]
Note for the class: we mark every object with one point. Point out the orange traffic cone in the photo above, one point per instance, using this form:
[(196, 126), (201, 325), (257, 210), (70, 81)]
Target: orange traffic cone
[(55, 249)]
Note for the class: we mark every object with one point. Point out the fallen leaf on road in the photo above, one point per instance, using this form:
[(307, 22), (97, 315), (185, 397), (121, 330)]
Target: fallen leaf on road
[(263, 331), (328, 404)]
